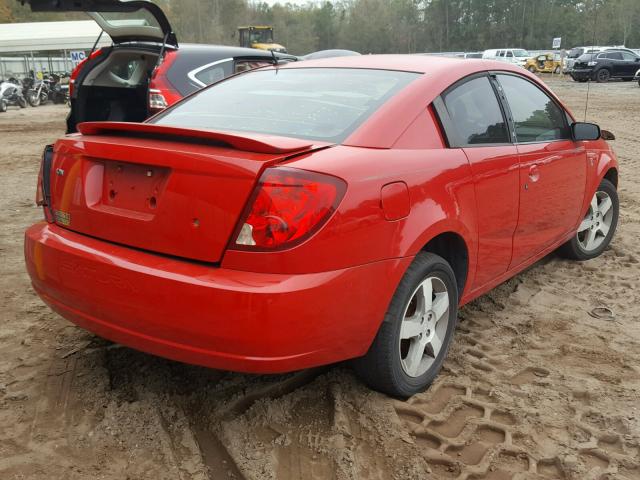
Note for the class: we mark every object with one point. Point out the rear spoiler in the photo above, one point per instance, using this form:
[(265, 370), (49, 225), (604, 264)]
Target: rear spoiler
[(249, 142)]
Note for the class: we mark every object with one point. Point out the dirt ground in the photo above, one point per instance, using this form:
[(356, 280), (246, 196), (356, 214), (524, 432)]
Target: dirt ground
[(534, 386)]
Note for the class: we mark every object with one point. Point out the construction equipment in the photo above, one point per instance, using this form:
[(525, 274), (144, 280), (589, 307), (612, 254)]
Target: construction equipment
[(260, 37)]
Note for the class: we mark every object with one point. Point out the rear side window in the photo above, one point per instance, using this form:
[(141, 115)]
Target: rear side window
[(311, 103), (614, 56), (536, 116), (475, 113)]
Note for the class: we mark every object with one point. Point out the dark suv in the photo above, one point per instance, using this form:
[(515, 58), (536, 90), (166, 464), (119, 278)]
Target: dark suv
[(144, 70), (603, 66)]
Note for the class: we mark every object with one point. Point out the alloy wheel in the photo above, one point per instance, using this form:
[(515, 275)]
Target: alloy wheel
[(593, 230), (424, 326)]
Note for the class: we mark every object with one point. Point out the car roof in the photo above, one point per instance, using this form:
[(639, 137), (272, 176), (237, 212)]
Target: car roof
[(227, 50), (450, 67), (436, 75)]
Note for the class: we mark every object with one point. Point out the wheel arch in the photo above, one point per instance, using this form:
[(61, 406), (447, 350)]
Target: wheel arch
[(453, 248), (612, 175)]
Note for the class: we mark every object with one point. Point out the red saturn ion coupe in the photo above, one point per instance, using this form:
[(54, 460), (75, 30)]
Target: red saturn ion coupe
[(314, 212)]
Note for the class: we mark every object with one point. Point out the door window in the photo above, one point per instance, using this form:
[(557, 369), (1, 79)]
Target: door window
[(536, 116), (475, 113), (510, 54), (630, 57), (614, 56)]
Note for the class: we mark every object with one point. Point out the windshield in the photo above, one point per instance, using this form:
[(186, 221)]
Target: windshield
[(139, 18), (311, 103), (521, 53), (261, 36)]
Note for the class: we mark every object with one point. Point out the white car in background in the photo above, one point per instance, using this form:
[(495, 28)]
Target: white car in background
[(517, 56)]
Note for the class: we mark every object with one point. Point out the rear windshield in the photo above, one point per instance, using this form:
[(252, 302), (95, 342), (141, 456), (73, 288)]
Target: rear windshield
[(312, 103)]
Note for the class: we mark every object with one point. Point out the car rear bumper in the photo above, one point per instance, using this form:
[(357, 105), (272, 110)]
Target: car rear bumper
[(205, 315)]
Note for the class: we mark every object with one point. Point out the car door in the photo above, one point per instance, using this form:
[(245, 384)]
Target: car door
[(475, 122), (616, 62), (552, 167), (631, 64)]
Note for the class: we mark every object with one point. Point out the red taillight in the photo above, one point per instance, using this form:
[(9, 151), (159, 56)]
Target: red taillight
[(288, 206), (76, 71), (162, 93)]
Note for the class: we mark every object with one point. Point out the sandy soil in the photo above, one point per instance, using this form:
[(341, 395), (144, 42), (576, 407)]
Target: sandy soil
[(534, 387)]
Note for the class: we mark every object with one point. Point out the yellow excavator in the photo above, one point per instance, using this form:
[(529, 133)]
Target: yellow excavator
[(260, 37)]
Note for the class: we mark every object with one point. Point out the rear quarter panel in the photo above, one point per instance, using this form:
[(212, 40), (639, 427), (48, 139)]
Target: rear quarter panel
[(442, 199)]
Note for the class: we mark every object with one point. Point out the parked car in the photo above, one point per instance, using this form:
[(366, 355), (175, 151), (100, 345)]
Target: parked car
[(577, 52), (604, 66), (145, 70), (545, 63), (334, 209), (517, 56)]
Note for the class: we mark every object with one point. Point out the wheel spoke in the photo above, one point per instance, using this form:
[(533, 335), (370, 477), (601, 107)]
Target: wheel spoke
[(427, 295), (604, 229), (410, 328), (605, 205), (440, 305), (435, 344), (414, 357), (586, 223), (590, 239), (594, 203)]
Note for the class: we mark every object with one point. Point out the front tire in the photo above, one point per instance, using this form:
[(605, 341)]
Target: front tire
[(34, 98), (596, 230), (603, 75), (22, 102), (412, 342), (3, 106)]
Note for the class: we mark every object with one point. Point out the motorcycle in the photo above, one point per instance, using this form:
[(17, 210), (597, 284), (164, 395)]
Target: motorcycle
[(58, 92), (39, 93), (11, 94)]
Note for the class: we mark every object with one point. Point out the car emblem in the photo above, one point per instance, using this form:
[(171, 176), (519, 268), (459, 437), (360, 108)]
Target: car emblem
[(59, 172)]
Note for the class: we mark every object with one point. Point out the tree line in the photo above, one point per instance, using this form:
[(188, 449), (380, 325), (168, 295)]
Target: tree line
[(397, 26)]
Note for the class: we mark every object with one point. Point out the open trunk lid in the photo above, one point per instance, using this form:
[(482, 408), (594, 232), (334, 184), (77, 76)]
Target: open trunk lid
[(167, 190), (122, 20)]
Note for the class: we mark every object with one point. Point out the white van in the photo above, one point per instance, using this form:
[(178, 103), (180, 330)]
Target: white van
[(517, 56)]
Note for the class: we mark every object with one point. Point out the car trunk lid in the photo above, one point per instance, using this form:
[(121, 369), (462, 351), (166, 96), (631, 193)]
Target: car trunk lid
[(162, 189), (123, 21)]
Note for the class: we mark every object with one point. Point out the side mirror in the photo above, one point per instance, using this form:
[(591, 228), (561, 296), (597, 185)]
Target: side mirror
[(585, 131)]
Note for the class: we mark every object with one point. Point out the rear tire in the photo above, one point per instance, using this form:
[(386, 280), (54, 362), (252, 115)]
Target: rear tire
[(22, 102), (532, 69), (412, 342), (603, 75), (598, 226), (3, 106)]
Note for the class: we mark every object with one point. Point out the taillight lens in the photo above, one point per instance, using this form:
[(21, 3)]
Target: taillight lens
[(287, 207), (162, 93)]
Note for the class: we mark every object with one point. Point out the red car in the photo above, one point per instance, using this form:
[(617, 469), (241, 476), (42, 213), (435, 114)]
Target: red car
[(305, 214)]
